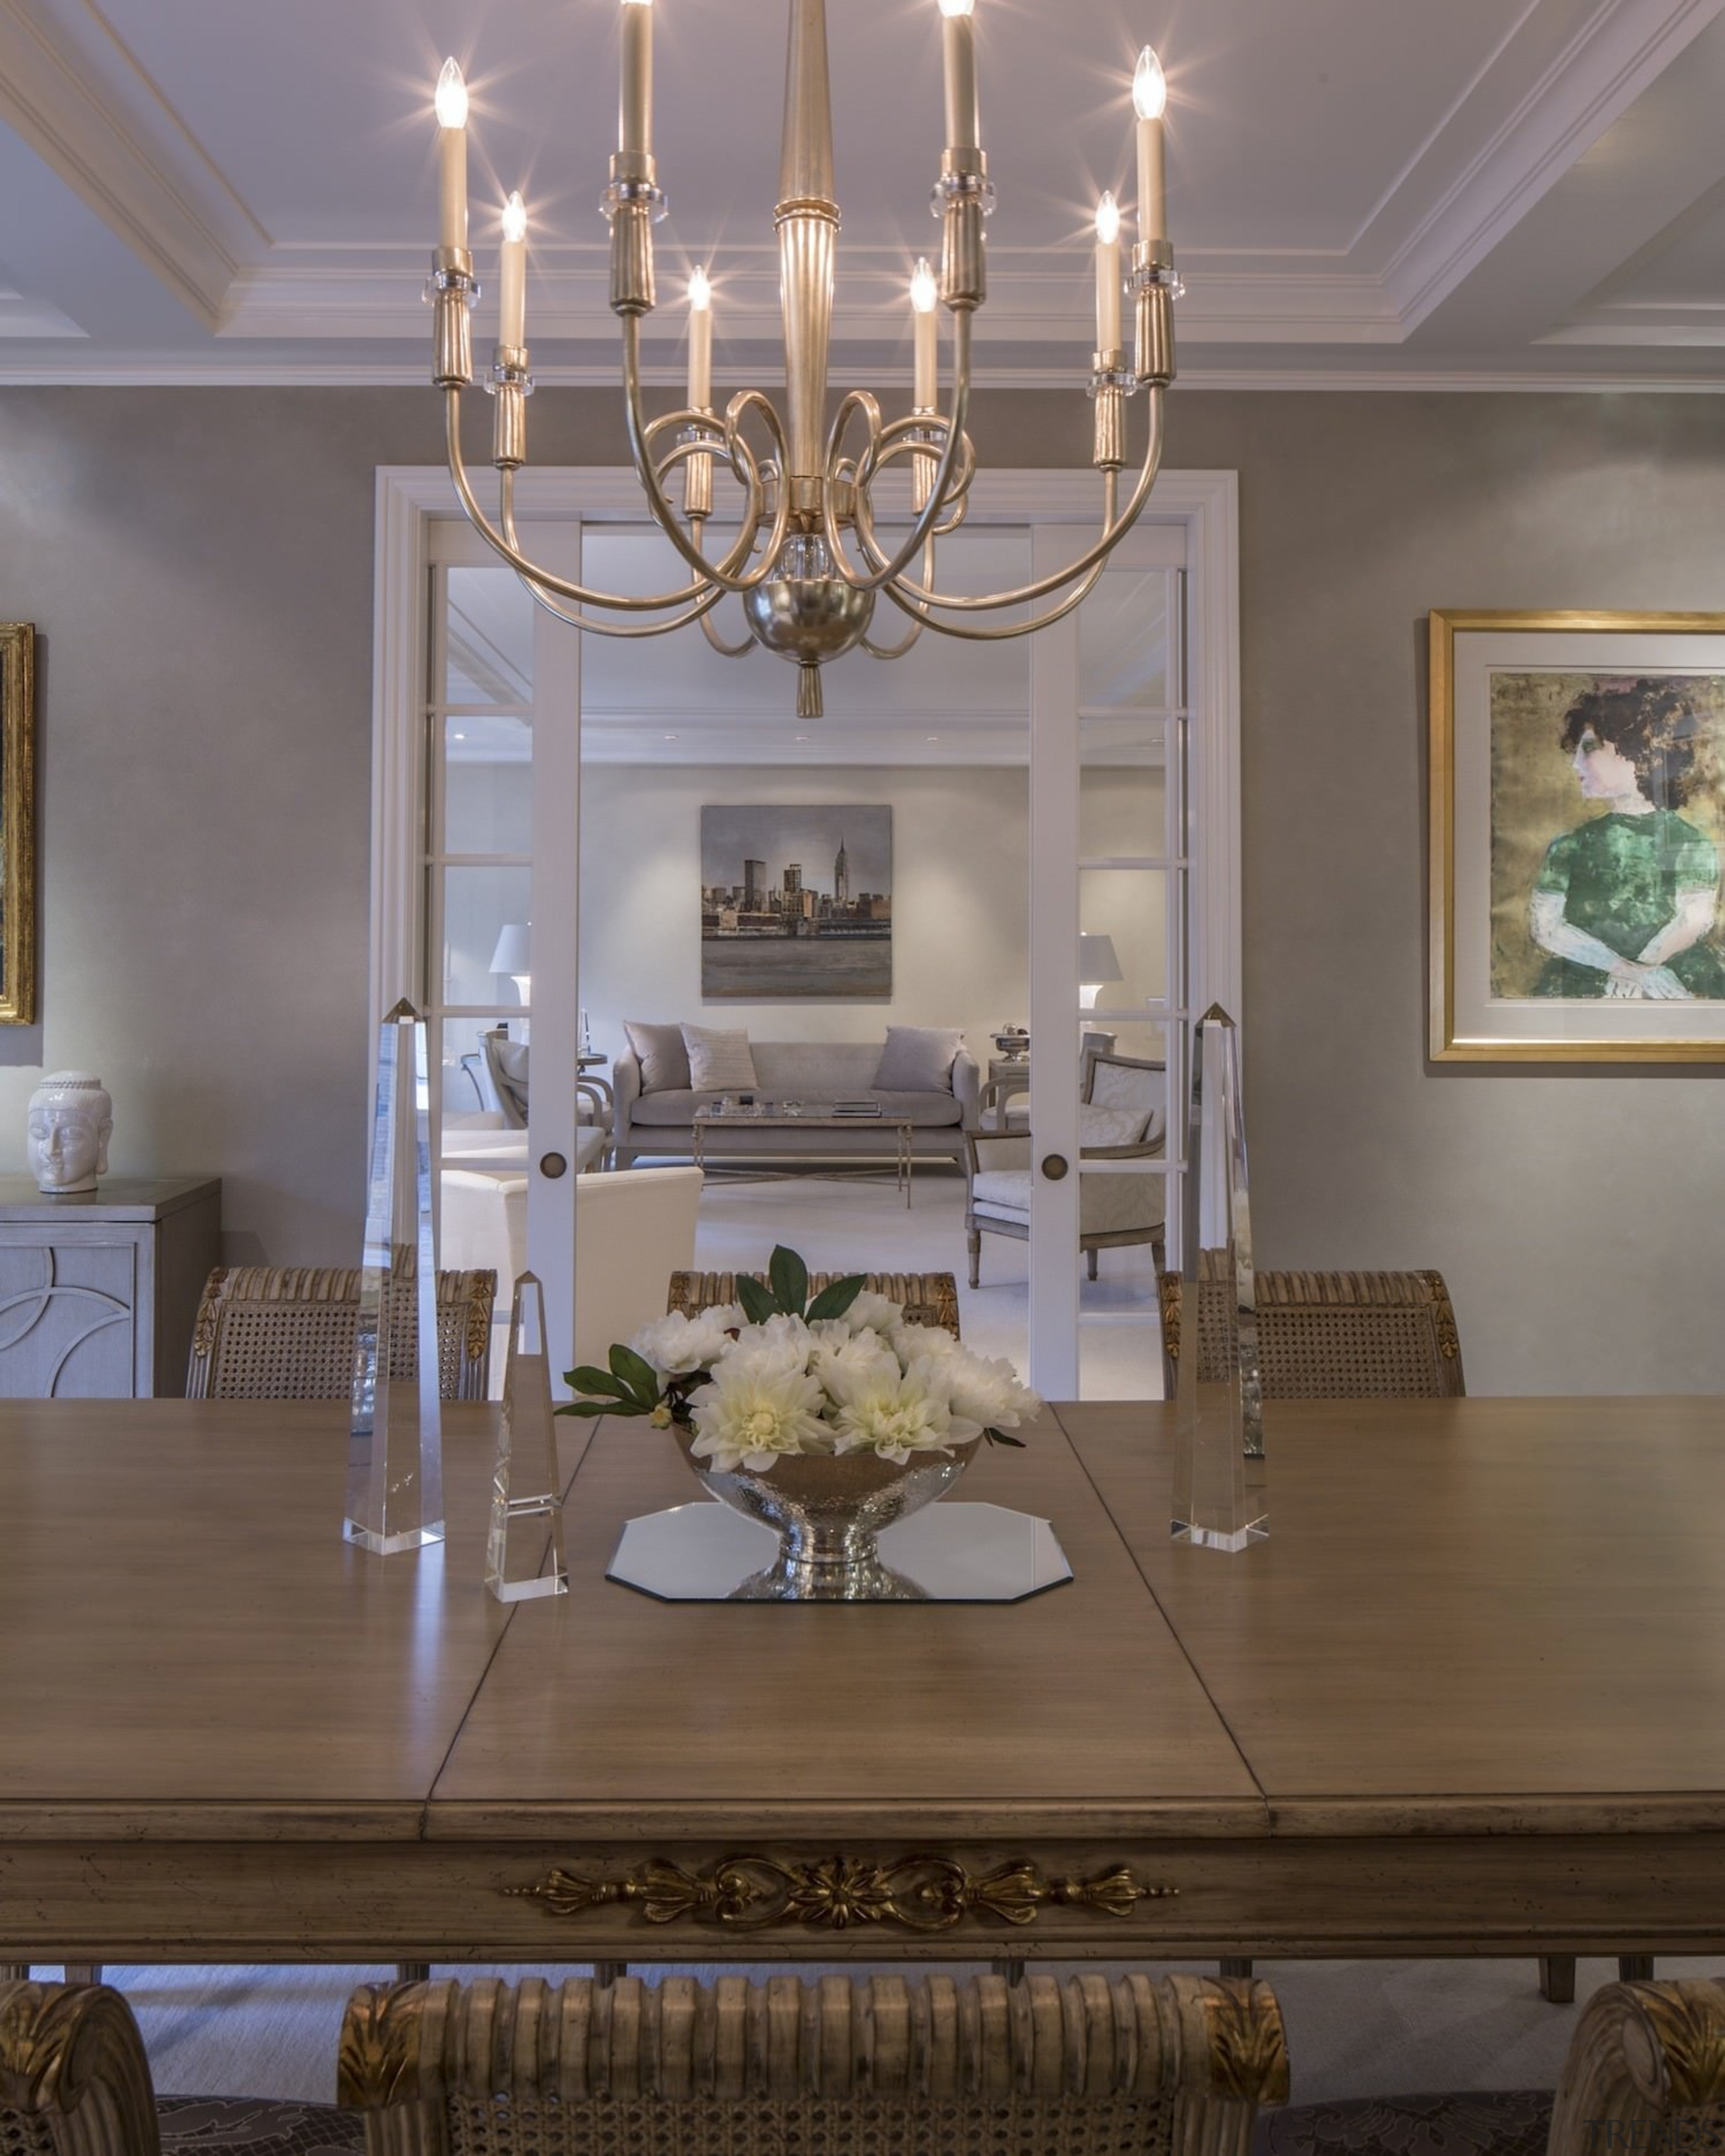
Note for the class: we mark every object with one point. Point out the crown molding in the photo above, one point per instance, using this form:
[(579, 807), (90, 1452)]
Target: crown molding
[(1600, 72), (71, 90)]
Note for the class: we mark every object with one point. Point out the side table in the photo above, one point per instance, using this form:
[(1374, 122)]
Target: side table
[(99, 1291), (1008, 1076)]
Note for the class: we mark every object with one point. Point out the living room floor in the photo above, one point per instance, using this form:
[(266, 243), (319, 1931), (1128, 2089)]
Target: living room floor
[(855, 1225)]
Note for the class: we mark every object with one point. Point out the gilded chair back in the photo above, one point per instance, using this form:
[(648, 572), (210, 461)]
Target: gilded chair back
[(267, 1333), (932, 2067), (74, 2079), (1326, 1336)]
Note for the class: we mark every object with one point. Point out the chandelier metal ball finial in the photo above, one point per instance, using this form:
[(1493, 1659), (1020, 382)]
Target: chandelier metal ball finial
[(814, 550)]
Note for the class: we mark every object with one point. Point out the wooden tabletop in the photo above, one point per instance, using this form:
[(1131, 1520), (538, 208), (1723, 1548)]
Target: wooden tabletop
[(1470, 1696)]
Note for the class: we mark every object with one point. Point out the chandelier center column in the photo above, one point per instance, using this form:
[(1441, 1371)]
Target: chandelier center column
[(807, 219)]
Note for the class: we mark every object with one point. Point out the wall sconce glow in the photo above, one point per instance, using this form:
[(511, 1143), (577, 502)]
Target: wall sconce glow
[(1149, 86), (451, 96)]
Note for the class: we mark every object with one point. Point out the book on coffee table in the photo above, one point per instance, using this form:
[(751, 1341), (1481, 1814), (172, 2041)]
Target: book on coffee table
[(856, 1107)]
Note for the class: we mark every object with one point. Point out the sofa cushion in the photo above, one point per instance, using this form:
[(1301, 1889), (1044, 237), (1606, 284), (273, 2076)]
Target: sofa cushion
[(718, 1058), (660, 1052), (815, 1070), (918, 1059)]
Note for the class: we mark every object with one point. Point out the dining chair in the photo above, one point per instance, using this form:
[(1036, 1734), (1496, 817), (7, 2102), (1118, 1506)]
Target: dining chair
[(1343, 1335), (74, 2081), (928, 1298), (274, 1333), (1645, 2069), (884, 2066), (1122, 1116)]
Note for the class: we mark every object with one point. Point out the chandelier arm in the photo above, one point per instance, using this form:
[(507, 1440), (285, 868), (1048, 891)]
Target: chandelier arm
[(698, 612), (1001, 632), (512, 554), (1114, 528), (725, 651), (663, 515), (912, 635), (886, 569)]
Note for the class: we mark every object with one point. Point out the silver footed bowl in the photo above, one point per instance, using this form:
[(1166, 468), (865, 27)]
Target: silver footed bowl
[(827, 1510)]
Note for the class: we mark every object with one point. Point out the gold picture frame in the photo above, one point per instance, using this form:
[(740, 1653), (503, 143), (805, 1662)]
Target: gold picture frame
[(1577, 826), (18, 823)]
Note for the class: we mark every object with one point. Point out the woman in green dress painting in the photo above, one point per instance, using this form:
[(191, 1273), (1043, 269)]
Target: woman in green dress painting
[(1626, 903)]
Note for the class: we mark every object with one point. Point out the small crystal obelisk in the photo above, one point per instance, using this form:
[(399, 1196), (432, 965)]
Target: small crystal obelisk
[(1220, 1498), (525, 1443), (395, 1457)]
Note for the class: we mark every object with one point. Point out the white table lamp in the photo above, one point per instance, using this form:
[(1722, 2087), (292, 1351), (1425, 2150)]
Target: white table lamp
[(514, 954), (1097, 965)]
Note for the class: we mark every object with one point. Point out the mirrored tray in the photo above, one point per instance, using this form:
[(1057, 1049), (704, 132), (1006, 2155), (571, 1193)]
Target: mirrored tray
[(949, 1552)]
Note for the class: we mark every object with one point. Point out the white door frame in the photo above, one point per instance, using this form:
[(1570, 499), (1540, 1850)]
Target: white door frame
[(411, 497)]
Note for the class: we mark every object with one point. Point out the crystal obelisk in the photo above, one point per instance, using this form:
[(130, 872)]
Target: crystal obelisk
[(526, 1446), (1220, 1499), (395, 1462)]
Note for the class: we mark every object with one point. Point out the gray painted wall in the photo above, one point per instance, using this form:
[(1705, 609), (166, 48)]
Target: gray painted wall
[(199, 565)]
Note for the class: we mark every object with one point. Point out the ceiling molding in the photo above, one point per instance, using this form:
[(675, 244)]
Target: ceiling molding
[(72, 90), (1599, 73)]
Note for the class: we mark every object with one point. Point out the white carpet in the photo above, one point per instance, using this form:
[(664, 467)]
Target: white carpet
[(857, 1226), (1355, 2028)]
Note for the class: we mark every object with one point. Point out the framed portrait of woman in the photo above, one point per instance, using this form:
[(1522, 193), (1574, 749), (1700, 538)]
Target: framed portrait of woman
[(1577, 837), (18, 823)]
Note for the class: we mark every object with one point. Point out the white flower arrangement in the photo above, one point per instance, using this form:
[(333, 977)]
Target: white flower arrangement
[(782, 1374)]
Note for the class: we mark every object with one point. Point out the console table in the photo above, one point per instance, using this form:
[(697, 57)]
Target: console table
[(98, 1290), (1468, 1698)]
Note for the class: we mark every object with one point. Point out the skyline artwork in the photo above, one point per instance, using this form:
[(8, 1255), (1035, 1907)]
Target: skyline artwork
[(796, 901)]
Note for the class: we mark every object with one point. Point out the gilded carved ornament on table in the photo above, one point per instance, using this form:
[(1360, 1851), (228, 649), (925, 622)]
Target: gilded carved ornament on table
[(924, 1893)]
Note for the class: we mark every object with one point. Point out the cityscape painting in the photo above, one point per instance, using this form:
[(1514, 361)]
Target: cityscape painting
[(796, 901)]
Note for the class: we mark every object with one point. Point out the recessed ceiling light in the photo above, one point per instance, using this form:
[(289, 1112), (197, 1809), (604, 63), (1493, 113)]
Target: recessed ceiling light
[(670, 736), (935, 737), (801, 737), (460, 737)]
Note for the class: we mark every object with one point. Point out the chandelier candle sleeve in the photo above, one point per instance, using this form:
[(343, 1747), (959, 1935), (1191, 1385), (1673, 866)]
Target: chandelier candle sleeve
[(700, 342), (1149, 102), (1107, 277), (512, 278), (958, 43), (634, 135), (451, 102), (923, 295)]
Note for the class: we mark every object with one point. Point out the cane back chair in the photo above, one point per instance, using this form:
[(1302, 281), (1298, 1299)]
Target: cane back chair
[(1325, 1335), (932, 2067), (928, 1298), (266, 1333)]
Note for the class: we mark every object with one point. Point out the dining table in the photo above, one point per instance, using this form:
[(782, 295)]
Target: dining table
[(1467, 1698)]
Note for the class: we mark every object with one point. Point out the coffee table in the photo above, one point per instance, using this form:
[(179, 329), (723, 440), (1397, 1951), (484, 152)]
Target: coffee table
[(809, 1115)]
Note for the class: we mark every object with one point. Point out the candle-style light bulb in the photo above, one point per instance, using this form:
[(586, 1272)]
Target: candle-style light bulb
[(959, 48), (1149, 102), (634, 126), (924, 293), (700, 341), (1108, 274), (512, 282), (450, 102)]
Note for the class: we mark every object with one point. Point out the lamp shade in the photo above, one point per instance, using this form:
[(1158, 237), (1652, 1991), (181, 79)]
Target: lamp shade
[(514, 948), (1096, 961)]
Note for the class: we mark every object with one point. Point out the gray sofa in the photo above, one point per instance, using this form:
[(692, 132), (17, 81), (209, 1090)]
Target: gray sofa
[(661, 1123)]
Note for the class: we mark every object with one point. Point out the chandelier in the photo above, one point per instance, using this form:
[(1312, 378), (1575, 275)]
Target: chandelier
[(810, 559)]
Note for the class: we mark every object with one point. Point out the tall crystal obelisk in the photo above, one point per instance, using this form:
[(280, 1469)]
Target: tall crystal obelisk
[(527, 1449), (395, 1457), (1220, 1499)]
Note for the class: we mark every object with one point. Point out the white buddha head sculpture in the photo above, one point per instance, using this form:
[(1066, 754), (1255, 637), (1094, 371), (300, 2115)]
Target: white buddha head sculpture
[(71, 1118)]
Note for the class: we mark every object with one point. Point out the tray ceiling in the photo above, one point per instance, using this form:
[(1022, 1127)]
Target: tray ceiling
[(1484, 192)]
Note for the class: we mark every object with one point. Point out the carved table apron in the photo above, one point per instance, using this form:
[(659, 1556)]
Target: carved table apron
[(1468, 1697)]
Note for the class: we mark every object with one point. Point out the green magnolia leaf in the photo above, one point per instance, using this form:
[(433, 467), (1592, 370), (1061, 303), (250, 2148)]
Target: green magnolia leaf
[(588, 1380), (758, 1303), (591, 1408), (835, 1301), (638, 1376), (1003, 1437), (789, 1279)]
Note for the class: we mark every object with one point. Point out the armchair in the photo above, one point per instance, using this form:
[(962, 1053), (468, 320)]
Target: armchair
[(1123, 1118)]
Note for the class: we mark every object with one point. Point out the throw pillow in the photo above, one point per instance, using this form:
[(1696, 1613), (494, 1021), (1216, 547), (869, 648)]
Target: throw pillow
[(1109, 1126), (661, 1055), (719, 1060), (917, 1059)]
